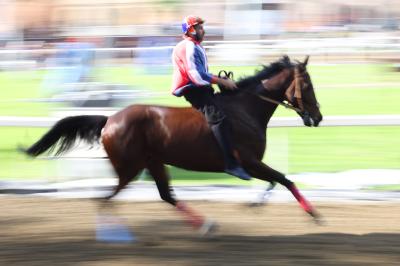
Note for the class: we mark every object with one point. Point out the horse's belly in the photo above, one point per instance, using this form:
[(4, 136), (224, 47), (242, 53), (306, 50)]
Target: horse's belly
[(197, 157)]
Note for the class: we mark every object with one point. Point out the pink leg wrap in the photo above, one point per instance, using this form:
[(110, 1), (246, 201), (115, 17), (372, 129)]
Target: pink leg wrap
[(303, 202), (192, 217)]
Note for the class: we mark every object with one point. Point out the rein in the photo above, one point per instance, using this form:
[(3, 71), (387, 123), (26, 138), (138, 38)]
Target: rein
[(293, 91), (286, 105)]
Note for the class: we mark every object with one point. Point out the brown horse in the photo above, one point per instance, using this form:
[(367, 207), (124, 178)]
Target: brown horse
[(148, 136)]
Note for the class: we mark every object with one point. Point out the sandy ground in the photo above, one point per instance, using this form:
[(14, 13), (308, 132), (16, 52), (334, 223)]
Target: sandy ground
[(41, 231)]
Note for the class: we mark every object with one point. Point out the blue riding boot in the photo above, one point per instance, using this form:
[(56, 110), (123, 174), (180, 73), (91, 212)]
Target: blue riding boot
[(222, 133), (239, 172), (221, 128)]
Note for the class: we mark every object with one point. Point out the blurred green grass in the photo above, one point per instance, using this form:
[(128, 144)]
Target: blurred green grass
[(340, 89), (333, 149), (14, 164), (18, 89), (385, 187)]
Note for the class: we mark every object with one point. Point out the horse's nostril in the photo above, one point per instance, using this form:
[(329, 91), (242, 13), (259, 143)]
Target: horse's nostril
[(307, 121)]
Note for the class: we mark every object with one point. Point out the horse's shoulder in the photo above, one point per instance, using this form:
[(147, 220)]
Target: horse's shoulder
[(152, 107), (152, 111), (173, 110)]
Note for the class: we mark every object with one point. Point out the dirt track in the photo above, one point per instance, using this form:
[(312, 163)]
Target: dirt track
[(40, 231)]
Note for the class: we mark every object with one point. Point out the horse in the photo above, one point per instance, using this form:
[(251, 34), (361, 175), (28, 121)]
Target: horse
[(151, 136)]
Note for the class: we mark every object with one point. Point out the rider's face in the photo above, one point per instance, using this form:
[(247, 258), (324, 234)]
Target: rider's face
[(199, 32)]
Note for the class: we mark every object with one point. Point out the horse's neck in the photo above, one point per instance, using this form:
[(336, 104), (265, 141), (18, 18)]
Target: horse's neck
[(249, 110), (261, 109)]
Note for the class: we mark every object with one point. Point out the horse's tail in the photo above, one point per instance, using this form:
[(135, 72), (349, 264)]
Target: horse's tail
[(66, 131)]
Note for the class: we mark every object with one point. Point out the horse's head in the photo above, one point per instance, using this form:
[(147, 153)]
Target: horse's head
[(301, 95), (284, 80)]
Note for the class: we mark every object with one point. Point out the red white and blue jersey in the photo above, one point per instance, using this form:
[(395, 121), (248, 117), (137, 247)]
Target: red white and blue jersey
[(190, 67)]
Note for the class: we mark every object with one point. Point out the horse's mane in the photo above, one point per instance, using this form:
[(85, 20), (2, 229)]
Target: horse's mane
[(250, 83), (266, 72)]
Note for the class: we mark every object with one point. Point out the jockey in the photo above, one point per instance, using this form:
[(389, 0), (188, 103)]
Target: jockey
[(192, 80)]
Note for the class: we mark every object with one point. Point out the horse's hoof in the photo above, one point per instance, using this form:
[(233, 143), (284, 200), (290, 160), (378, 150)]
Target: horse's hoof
[(208, 228), (317, 218), (104, 204), (257, 204), (319, 221)]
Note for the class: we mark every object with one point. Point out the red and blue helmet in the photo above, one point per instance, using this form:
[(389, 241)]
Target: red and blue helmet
[(189, 22)]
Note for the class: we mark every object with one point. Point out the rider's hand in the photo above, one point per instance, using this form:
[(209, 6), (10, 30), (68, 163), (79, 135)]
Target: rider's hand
[(227, 83)]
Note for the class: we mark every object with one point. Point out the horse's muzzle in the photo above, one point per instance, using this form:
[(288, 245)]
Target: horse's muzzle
[(317, 120), (310, 121)]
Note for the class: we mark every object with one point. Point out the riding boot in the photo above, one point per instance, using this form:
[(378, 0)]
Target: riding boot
[(222, 134)]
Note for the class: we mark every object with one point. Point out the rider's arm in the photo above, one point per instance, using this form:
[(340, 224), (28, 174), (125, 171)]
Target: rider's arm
[(196, 69), (192, 63)]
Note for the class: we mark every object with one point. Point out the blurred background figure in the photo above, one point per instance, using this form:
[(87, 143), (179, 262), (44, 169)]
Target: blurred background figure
[(71, 64), (158, 60)]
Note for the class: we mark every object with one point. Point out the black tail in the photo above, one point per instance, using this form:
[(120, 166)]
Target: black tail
[(66, 131)]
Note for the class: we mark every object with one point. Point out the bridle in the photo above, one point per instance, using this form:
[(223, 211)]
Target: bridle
[(293, 92)]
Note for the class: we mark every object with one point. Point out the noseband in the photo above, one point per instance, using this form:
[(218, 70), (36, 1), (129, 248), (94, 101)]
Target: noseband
[(294, 90)]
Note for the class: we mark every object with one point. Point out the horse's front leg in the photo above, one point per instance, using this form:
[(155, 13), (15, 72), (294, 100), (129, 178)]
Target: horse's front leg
[(262, 171), (195, 219)]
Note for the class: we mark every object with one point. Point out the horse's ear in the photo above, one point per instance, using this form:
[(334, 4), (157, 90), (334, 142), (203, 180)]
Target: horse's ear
[(306, 60), (286, 59)]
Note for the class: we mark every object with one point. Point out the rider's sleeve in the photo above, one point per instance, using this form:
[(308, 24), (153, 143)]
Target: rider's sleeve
[(196, 68)]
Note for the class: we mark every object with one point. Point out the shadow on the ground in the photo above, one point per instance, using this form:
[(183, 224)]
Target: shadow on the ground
[(173, 247)]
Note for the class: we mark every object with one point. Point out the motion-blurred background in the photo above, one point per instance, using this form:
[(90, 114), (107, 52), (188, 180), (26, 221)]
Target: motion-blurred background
[(67, 57)]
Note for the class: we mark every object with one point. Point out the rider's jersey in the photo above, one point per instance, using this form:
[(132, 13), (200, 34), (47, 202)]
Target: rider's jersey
[(190, 67)]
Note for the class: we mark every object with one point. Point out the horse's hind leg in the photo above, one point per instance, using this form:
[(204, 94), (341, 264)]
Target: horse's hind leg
[(159, 173), (126, 173), (127, 158), (264, 172), (126, 165)]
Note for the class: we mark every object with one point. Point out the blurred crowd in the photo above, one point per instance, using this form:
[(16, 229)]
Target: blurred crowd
[(135, 23)]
